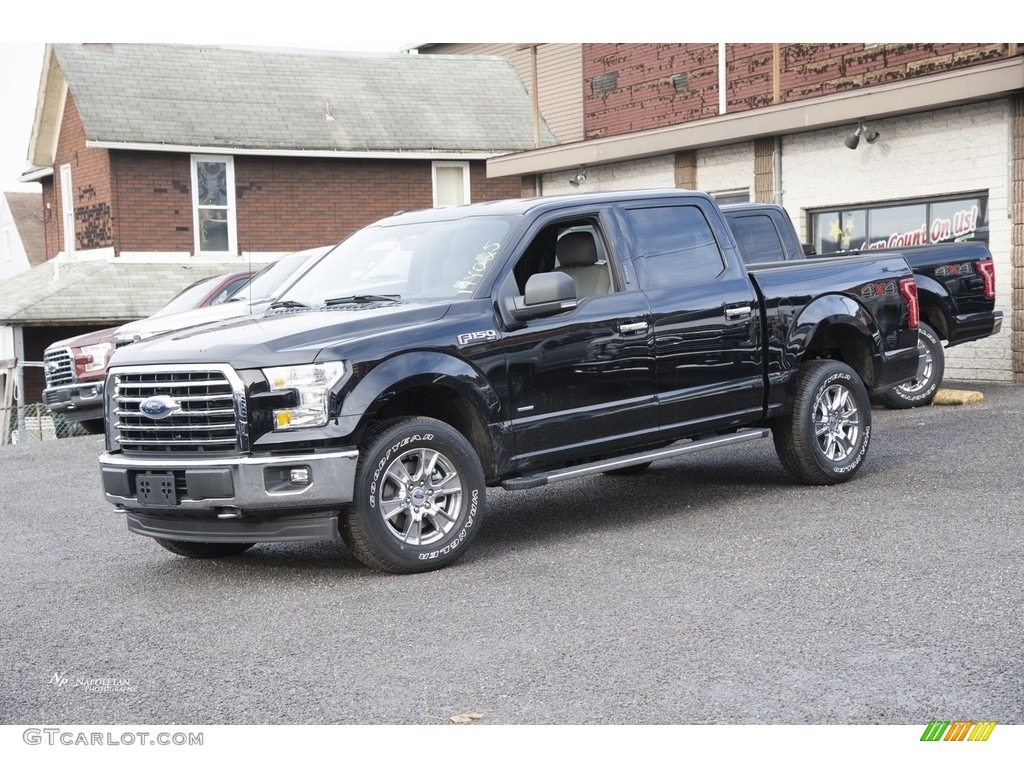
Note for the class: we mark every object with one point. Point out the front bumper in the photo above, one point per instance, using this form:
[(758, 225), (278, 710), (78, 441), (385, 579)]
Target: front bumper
[(77, 402), (232, 498)]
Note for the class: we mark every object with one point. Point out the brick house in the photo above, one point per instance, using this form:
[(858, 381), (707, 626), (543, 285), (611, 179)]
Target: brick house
[(154, 150), (770, 122), (219, 158)]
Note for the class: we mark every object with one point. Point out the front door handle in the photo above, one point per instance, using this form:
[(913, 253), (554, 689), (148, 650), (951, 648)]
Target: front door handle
[(734, 313)]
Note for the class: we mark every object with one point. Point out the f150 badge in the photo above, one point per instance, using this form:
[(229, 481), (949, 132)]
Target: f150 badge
[(468, 338), (159, 407)]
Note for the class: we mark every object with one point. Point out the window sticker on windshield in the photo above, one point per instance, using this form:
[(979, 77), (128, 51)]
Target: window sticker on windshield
[(481, 261)]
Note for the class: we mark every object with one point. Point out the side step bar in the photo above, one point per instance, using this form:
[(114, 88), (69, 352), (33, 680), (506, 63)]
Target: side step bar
[(582, 470)]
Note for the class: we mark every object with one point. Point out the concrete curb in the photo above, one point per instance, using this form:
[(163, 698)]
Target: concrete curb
[(957, 397)]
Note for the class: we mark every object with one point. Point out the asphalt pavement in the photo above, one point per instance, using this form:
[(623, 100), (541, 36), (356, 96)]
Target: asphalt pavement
[(710, 589)]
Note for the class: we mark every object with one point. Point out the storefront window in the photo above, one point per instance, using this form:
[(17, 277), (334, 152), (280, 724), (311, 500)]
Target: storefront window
[(900, 225)]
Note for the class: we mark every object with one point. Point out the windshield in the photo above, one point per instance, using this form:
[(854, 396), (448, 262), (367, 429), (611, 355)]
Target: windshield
[(418, 260), (190, 298), (266, 283)]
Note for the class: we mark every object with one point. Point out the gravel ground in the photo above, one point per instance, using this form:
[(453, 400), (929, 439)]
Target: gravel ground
[(708, 590)]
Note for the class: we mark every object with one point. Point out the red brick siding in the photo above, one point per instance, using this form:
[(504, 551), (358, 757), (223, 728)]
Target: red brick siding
[(282, 204), (90, 179), (645, 97)]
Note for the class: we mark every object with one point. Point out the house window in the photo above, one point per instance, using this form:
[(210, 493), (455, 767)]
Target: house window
[(451, 183), (213, 204)]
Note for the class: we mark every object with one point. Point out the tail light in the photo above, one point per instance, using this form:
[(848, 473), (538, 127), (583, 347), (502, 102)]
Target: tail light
[(987, 270), (908, 289)]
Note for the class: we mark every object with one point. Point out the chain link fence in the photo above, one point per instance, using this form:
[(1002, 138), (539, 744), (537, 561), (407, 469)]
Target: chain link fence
[(35, 423)]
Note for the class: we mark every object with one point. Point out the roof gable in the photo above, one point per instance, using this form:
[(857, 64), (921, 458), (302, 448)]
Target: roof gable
[(235, 98), (27, 212)]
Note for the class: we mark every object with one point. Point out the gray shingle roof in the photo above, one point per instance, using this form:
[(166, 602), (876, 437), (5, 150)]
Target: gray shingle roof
[(98, 292), (272, 100)]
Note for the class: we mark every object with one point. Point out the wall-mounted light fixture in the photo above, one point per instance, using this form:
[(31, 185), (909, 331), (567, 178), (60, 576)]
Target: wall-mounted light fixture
[(870, 136), (579, 178), (327, 110)]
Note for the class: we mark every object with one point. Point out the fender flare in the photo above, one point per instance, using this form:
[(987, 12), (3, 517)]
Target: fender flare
[(932, 295), (826, 313), (415, 368)]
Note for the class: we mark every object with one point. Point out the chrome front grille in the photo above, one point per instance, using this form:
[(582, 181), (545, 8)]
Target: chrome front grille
[(202, 411), (59, 367)]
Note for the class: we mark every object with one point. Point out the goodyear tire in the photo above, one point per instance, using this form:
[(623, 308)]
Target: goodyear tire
[(920, 391), (419, 497), (825, 438), (203, 549)]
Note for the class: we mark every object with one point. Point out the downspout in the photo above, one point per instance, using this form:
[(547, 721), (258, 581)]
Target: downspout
[(722, 101)]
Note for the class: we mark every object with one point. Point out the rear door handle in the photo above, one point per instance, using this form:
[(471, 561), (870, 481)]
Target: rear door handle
[(732, 313)]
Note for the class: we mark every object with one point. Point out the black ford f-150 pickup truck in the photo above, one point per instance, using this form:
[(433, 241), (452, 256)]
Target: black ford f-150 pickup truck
[(956, 288), (512, 343)]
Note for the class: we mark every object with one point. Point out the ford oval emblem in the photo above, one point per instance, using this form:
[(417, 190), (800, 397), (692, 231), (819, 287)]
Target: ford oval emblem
[(159, 407)]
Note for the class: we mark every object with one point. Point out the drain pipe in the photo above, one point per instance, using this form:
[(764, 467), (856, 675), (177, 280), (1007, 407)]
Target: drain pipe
[(722, 101)]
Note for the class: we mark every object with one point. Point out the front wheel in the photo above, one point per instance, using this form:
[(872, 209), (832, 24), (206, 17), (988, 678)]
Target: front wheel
[(825, 438), (920, 390), (419, 497), (203, 549)]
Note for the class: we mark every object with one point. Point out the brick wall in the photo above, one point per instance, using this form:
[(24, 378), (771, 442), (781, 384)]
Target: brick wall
[(283, 204), (630, 87), (90, 193), (634, 87)]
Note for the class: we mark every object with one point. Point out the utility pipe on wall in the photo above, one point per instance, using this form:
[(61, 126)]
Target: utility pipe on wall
[(721, 79)]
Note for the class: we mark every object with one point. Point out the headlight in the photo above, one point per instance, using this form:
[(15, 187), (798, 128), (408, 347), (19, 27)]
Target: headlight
[(313, 384), (94, 356)]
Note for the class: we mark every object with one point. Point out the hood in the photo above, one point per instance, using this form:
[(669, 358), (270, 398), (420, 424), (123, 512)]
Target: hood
[(85, 339), (283, 336), (155, 326)]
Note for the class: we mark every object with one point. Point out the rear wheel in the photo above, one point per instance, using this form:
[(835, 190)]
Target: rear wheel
[(825, 438), (203, 549), (419, 497), (920, 390)]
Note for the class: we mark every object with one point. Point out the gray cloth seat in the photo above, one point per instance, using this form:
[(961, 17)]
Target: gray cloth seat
[(577, 257)]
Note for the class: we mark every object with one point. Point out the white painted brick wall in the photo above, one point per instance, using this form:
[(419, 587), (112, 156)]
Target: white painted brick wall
[(951, 151), (726, 169), (647, 173)]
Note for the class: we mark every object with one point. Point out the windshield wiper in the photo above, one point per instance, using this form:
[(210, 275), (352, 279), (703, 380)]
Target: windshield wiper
[(366, 298), (288, 303)]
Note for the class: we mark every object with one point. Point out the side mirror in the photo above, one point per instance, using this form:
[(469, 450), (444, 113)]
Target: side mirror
[(547, 293)]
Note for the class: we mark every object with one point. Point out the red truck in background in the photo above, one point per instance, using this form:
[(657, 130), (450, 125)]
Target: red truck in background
[(75, 367)]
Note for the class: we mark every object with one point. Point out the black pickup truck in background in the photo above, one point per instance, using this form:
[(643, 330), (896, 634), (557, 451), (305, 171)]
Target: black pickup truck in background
[(514, 343), (956, 288)]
